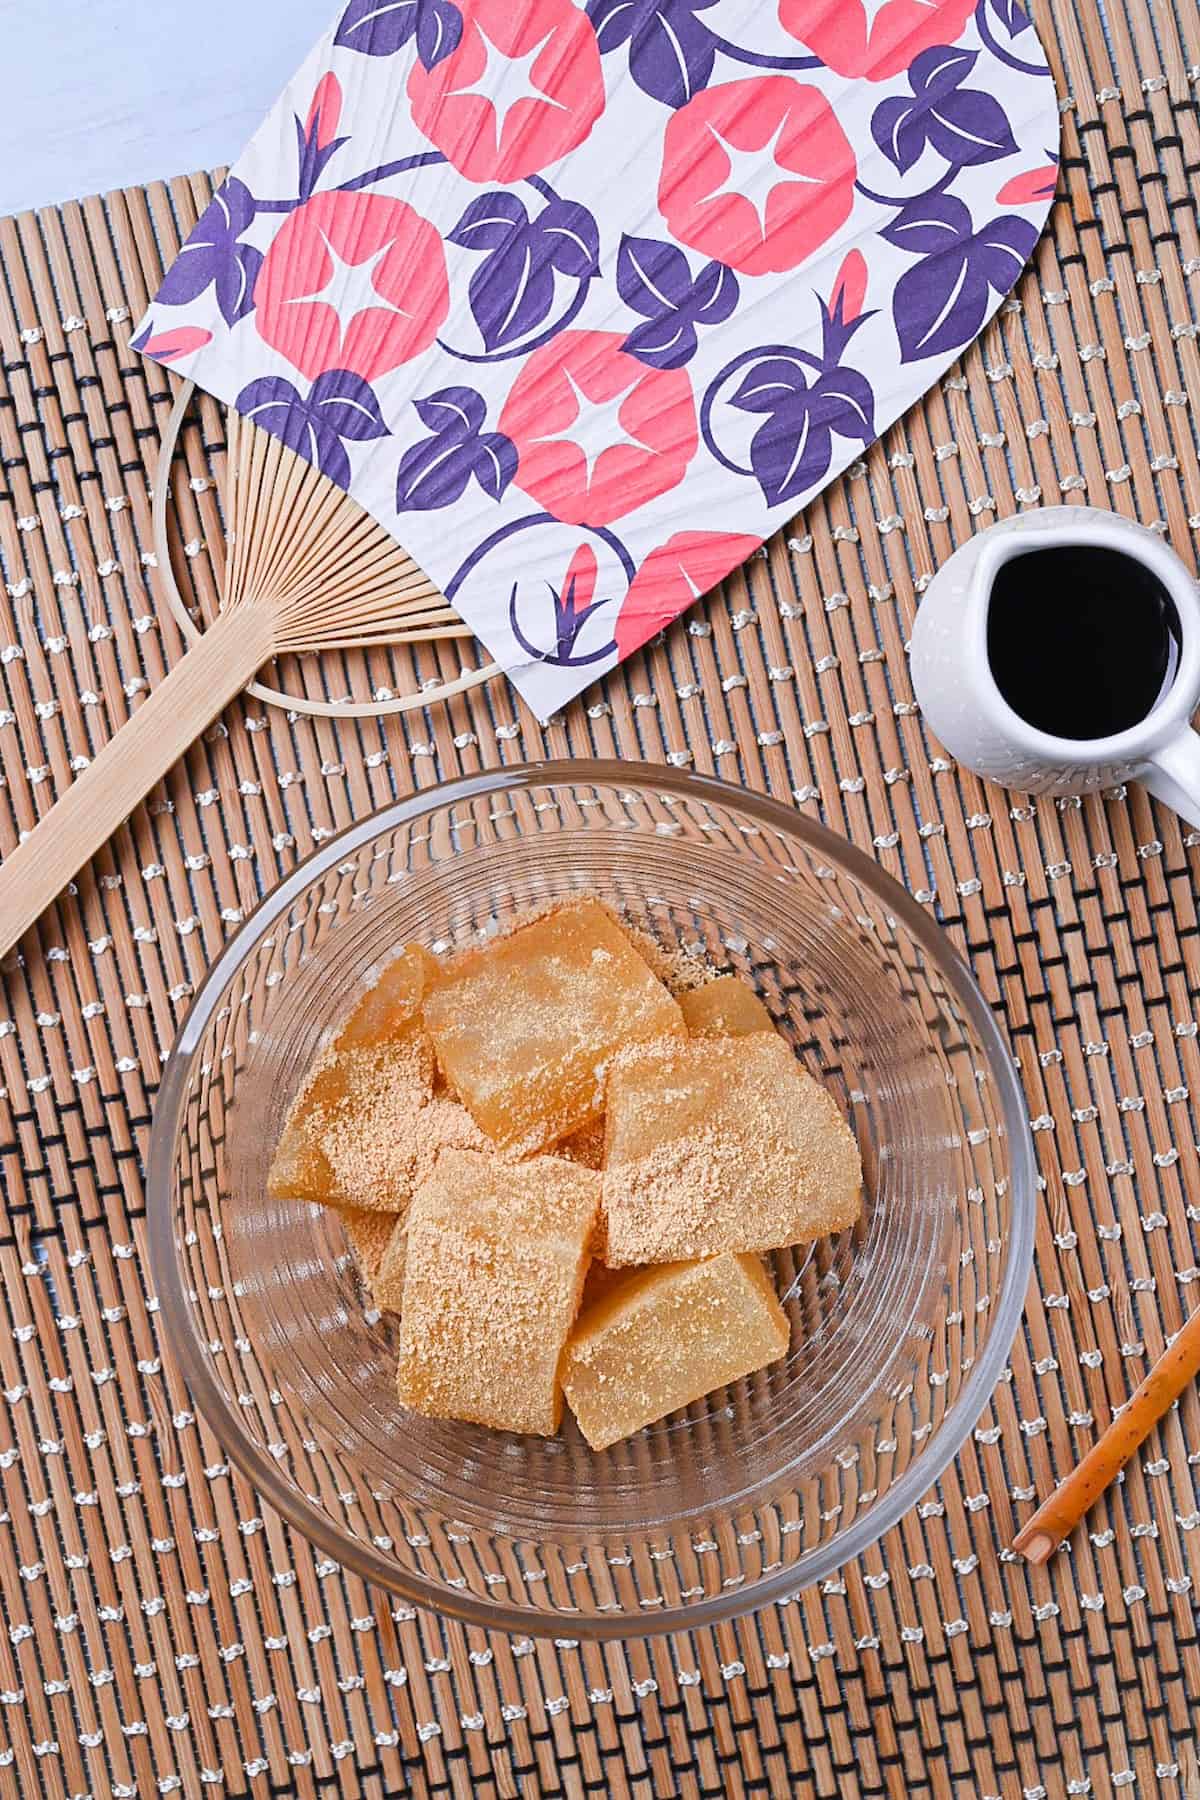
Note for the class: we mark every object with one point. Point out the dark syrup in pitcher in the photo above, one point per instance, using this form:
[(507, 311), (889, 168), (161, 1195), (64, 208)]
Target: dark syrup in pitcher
[(1082, 641)]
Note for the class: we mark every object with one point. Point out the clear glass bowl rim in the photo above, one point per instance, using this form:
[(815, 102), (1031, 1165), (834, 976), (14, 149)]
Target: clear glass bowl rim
[(373, 1565)]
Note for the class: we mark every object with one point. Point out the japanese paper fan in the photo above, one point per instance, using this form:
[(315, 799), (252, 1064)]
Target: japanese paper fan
[(579, 305)]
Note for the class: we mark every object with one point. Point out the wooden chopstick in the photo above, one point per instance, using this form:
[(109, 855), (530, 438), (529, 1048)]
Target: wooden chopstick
[(1059, 1515)]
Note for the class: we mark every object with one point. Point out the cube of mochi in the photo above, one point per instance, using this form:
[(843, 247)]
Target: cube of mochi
[(585, 1146), (392, 1007), (722, 1144), (370, 1233), (660, 1338), (525, 1026), (726, 1007), (495, 1263), (387, 1285), (366, 1128), (368, 1131), (353, 1066), (300, 1169)]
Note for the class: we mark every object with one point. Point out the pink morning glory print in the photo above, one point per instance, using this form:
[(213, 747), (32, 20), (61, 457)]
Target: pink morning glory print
[(757, 173), (597, 433)]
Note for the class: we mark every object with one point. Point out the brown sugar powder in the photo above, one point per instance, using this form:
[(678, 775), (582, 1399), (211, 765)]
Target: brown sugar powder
[(722, 1144), (496, 1257), (679, 969), (382, 1139), (523, 1026)]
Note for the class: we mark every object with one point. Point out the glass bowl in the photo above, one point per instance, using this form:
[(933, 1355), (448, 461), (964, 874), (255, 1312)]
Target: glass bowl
[(901, 1326)]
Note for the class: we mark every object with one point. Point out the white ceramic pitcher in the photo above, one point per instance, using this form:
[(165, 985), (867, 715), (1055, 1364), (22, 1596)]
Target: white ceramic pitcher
[(954, 684)]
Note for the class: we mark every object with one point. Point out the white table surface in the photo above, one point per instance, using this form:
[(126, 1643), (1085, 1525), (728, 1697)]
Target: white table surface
[(104, 93)]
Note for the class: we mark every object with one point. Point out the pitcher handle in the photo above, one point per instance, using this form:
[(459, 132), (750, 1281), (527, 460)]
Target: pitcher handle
[(1172, 773)]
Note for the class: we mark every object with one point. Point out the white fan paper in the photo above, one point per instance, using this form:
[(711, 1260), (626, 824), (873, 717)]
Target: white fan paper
[(582, 305)]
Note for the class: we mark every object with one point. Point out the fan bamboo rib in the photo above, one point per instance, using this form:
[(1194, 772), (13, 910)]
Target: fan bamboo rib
[(307, 570), (328, 570), (415, 619)]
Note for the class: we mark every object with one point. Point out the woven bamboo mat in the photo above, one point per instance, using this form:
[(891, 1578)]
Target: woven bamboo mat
[(160, 1633)]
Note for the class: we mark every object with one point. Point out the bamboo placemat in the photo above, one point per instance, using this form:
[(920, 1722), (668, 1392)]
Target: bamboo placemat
[(161, 1634)]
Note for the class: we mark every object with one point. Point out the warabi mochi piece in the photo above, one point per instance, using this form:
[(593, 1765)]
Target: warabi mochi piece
[(384, 1137), (727, 1007), (585, 1146), (525, 1026), (352, 1067), (300, 1168), (657, 1339), (387, 1285), (392, 1007), (496, 1258), (722, 1144), (370, 1233), (373, 1132)]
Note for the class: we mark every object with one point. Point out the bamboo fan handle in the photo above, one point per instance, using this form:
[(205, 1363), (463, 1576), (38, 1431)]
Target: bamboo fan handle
[(228, 655)]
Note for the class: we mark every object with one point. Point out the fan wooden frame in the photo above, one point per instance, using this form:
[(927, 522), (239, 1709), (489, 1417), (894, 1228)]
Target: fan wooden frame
[(167, 591)]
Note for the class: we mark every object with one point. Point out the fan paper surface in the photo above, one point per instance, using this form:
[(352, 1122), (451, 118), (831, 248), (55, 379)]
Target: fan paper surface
[(583, 303)]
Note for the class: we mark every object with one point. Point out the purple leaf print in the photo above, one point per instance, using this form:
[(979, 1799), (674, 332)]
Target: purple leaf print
[(377, 27), (439, 31), (435, 472), (963, 125), (381, 27), (453, 412), (571, 238), (228, 213), (930, 223), (339, 408), (770, 385), (1002, 248), (495, 463), (512, 292), (347, 405), (655, 279), (792, 449), (940, 70), (714, 293), (846, 403), (968, 126), (663, 343), (652, 277), (212, 256), (898, 130), (489, 222), (941, 303), (1010, 15), (790, 456), (235, 282), (274, 404), (671, 51)]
